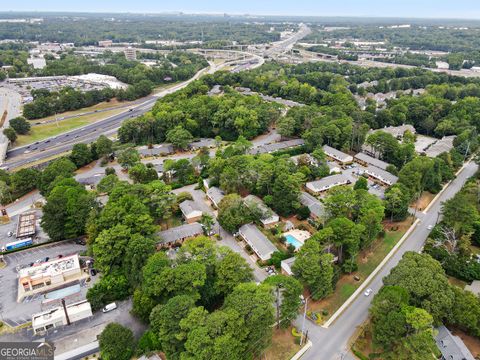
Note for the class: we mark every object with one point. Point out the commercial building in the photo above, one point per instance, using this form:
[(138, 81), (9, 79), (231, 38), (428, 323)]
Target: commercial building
[(215, 195), (269, 217), (191, 211), (366, 160), (257, 241), (383, 176), (177, 235), (49, 275), (130, 53), (327, 183), (451, 347), (26, 226), (337, 155), (60, 316)]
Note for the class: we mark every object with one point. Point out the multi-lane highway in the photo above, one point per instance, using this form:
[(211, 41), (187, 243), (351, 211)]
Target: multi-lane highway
[(332, 343), (59, 144)]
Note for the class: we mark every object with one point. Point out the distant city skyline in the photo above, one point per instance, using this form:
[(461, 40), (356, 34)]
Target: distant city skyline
[(467, 9)]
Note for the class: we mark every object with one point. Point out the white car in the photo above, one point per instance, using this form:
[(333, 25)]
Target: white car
[(430, 227), (368, 292), (109, 307)]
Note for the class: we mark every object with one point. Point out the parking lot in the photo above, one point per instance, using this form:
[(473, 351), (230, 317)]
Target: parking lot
[(14, 313), (7, 231), (373, 188)]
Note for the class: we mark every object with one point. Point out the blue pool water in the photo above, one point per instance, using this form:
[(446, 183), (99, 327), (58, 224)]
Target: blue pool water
[(293, 241)]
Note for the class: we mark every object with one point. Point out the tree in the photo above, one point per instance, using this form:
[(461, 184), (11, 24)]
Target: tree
[(233, 213), (285, 194), (103, 146), (289, 290), (397, 201), (314, 269), (254, 305), (81, 155), (179, 137), (231, 270), (346, 237), (128, 158), (24, 181), (388, 319), (107, 183), (207, 222), (140, 173), (58, 169), (431, 291), (10, 134), (20, 125), (116, 342), (109, 288), (66, 211), (165, 322), (361, 183)]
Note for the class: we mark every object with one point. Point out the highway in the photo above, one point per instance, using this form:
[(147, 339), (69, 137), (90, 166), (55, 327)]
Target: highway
[(332, 343), (59, 144), (64, 142)]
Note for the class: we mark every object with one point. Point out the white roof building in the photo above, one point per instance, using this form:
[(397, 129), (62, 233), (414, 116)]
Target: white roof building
[(337, 155), (56, 317), (190, 210), (381, 175), (367, 159), (269, 216), (327, 183), (215, 195), (257, 241)]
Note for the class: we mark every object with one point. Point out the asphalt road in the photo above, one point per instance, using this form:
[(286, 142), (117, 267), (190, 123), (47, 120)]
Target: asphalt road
[(62, 143), (332, 343)]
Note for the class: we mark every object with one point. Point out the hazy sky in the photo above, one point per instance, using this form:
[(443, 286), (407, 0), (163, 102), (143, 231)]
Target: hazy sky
[(391, 8)]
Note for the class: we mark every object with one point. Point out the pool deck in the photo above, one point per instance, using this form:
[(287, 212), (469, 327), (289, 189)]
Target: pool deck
[(300, 235)]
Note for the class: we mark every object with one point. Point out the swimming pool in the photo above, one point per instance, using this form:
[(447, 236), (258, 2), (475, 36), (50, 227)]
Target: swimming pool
[(292, 240)]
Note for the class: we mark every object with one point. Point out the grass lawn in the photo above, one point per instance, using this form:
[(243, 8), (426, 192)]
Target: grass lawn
[(101, 106), (283, 346), (41, 132), (424, 200), (367, 261)]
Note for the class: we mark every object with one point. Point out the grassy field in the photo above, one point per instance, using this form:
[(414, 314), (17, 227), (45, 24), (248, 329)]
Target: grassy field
[(101, 106), (283, 346), (44, 131), (367, 261)]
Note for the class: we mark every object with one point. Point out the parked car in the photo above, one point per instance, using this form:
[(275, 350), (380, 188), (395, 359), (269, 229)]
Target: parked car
[(430, 227), (46, 259), (109, 307), (93, 272)]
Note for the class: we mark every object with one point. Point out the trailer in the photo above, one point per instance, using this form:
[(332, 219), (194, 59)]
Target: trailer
[(18, 244)]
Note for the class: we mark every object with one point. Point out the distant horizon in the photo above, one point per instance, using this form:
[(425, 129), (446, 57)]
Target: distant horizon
[(183, 13), (405, 9), (236, 14)]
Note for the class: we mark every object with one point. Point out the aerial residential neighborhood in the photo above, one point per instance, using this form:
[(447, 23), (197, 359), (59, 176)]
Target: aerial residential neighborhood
[(230, 181)]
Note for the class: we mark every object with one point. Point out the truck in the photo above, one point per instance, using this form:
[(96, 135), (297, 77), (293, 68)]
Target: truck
[(17, 244)]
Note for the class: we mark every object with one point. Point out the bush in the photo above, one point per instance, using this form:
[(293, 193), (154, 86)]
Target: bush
[(295, 332)]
